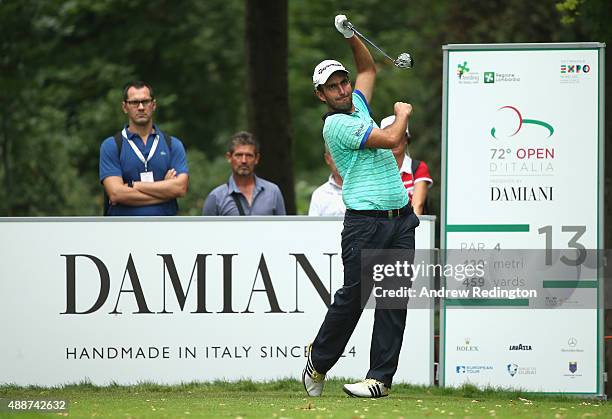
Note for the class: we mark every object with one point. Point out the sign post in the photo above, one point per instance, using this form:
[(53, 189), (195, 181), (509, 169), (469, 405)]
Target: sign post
[(523, 169)]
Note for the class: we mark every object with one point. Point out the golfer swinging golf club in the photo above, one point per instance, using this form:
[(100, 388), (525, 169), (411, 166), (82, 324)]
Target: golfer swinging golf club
[(378, 216)]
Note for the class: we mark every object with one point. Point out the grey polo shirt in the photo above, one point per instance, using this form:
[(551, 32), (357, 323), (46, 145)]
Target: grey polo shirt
[(267, 199)]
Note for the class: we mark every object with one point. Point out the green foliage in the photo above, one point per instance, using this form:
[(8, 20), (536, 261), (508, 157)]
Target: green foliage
[(62, 70), (569, 10), (589, 18), (420, 28), (63, 63)]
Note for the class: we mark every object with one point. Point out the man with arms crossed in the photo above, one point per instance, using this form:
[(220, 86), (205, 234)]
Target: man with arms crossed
[(378, 216), (142, 170)]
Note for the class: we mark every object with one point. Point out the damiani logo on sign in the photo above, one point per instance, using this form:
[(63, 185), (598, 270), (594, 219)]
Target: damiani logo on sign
[(515, 121), (521, 193), (198, 275)]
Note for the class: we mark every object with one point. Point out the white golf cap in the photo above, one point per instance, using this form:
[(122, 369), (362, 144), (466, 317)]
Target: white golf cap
[(388, 121), (325, 69)]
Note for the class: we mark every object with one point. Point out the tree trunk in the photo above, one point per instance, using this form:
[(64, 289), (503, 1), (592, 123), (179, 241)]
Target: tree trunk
[(268, 92), (5, 152)]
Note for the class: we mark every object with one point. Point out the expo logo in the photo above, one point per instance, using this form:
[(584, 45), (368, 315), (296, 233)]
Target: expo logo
[(511, 121), (576, 69)]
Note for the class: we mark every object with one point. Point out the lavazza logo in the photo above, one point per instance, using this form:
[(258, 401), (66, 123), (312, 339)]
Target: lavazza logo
[(520, 347), (467, 347)]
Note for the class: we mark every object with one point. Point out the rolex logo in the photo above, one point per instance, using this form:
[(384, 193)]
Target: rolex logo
[(466, 347)]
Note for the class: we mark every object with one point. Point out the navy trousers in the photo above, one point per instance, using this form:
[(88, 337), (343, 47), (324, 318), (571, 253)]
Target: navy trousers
[(365, 232)]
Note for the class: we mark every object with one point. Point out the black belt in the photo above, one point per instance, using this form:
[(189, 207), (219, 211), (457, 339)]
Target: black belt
[(392, 213)]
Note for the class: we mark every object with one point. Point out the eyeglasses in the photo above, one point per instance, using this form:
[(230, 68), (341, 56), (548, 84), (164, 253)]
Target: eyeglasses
[(136, 103)]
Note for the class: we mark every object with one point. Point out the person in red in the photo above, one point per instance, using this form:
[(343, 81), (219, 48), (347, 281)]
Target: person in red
[(415, 173)]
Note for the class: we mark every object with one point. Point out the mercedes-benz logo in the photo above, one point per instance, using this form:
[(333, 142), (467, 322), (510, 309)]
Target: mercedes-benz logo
[(572, 342)]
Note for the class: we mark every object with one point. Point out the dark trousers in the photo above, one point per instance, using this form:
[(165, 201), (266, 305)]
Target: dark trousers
[(364, 232)]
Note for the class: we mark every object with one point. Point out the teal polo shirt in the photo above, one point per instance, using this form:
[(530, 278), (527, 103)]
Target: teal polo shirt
[(371, 179)]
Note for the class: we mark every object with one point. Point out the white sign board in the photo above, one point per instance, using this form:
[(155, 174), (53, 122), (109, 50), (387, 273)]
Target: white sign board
[(523, 169), (179, 299)]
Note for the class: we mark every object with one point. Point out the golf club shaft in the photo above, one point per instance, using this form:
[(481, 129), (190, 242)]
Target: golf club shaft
[(362, 36)]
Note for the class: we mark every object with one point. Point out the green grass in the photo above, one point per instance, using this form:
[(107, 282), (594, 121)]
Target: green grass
[(286, 399)]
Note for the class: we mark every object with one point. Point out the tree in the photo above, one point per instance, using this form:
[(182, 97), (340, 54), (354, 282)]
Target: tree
[(266, 41), (592, 20), (62, 68)]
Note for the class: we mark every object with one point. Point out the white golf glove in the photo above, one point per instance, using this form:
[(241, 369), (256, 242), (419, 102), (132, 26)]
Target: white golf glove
[(339, 23)]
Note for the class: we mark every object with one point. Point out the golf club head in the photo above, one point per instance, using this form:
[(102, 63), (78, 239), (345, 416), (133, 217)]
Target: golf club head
[(404, 61)]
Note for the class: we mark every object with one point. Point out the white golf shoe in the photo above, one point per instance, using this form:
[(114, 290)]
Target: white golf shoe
[(313, 381), (367, 388)]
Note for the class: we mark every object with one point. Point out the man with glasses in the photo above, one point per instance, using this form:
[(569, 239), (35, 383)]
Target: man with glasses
[(143, 169), (378, 216)]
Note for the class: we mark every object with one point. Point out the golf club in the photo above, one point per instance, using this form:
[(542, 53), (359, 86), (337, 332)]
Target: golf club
[(404, 60)]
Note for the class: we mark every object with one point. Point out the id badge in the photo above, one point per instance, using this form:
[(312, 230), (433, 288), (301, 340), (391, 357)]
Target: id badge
[(146, 177)]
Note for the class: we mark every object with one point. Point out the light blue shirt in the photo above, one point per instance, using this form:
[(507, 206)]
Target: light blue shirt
[(371, 177), (267, 199)]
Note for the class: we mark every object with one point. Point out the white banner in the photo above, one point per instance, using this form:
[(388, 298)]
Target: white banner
[(180, 299), (523, 169)]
